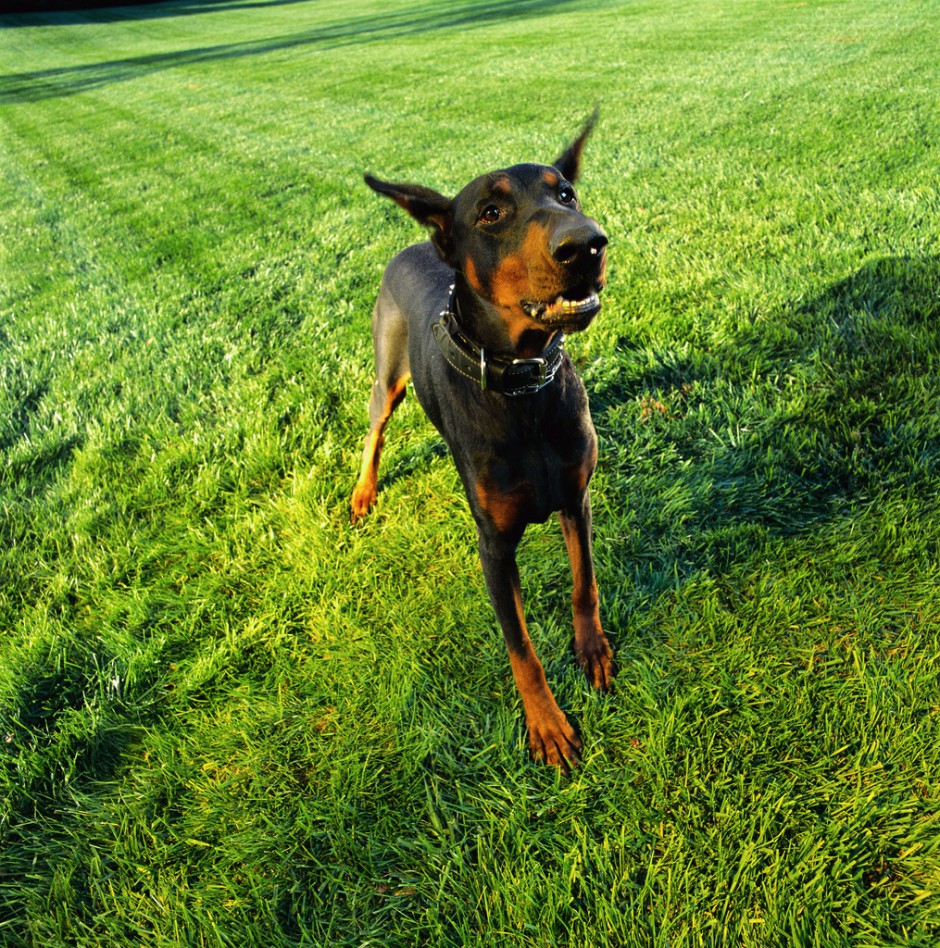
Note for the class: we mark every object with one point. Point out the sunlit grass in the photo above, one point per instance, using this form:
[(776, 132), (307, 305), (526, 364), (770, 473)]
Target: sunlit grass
[(228, 717)]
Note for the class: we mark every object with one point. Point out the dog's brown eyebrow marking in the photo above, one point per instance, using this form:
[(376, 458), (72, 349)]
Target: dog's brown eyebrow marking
[(551, 178), (501, 184)]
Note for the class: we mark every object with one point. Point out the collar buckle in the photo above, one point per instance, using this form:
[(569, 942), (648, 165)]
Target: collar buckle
[(539, 371)]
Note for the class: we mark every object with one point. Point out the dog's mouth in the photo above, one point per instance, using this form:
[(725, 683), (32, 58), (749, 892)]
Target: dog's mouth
[(574, 309)]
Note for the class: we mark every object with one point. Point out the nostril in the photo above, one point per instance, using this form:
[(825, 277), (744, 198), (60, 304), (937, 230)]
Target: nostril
[(579, 246), (567, 251)]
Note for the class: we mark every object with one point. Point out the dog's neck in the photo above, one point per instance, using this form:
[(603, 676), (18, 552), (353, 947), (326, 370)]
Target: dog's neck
[(489, 329)]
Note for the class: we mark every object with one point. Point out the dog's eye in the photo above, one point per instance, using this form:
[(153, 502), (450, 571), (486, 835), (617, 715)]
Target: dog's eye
[(566, 194), (490, 214)]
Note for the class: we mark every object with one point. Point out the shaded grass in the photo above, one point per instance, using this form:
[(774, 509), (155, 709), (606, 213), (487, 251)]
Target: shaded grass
[(230, 718)]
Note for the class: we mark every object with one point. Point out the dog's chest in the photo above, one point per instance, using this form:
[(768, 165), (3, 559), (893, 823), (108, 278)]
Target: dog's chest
[(527, 477)]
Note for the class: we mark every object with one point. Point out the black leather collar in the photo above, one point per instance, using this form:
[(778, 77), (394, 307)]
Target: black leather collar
[(493, 372)]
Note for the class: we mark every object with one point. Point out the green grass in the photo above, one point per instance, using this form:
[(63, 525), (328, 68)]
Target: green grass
[(227, 717)]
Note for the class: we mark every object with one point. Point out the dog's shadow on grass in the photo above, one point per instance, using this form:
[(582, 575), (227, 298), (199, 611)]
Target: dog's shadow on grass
[(785, 426)]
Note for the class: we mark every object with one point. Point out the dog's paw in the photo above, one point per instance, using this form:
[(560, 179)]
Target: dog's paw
[(596, 659), (363, 497), (552, 739)]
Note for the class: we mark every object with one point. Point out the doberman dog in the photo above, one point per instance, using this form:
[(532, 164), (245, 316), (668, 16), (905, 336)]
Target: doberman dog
[(476, 319)]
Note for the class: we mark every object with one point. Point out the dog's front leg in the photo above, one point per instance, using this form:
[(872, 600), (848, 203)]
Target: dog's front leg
[(590, 644), (551, 736)]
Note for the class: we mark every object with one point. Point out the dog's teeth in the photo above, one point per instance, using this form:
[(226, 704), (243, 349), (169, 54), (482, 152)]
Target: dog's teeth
[(561, 307)]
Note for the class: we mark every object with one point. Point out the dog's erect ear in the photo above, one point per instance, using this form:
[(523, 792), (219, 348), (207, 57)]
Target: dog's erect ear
[(425, 206), (569, 161)]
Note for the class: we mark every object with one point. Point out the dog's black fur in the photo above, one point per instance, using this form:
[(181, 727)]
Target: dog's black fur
[(526, 265)]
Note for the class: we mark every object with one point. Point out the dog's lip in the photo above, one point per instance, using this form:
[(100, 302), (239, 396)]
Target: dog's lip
[(564, 308)]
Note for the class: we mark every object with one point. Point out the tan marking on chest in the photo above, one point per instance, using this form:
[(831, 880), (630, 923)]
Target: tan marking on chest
[(506, 509)]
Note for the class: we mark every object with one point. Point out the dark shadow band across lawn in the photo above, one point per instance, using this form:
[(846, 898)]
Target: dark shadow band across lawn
[(70, 80)]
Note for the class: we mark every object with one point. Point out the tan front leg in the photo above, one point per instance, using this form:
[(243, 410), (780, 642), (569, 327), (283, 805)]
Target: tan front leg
[(591, 646), (383, 402)]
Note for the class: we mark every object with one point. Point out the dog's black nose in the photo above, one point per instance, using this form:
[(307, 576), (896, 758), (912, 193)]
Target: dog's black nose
[(578, 245)]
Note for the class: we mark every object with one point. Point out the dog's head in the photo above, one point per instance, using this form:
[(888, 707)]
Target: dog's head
[(520, 239)]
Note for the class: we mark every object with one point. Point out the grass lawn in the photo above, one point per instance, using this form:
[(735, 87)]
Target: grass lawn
[(228, 717)]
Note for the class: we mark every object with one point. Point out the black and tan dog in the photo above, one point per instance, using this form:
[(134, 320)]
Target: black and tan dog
[(476, 319)]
